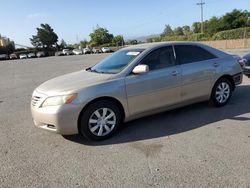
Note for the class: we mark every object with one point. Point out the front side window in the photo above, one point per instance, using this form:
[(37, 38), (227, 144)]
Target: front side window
[(190, 54), (116, 62), (160, 58)]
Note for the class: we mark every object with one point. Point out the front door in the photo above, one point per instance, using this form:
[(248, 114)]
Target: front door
[(159, 87)]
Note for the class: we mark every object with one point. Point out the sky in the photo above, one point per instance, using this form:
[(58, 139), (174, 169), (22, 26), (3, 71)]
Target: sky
[(75, 20)]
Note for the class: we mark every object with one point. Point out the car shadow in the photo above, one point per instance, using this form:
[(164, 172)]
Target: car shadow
[(178, 121)]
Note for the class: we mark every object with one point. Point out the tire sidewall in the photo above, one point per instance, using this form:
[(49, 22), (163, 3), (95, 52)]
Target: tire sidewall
[(86, 114)]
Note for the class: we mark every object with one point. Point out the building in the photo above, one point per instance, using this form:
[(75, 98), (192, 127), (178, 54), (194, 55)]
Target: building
[(4, 41)]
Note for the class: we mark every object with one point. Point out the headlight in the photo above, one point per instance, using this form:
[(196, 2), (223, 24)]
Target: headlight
[(59, 100)]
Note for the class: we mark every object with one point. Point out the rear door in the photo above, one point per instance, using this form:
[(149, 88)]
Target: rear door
[(159, 87), (198, 69)]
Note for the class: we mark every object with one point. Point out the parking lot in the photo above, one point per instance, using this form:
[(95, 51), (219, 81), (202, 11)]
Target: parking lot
[(194, 146)]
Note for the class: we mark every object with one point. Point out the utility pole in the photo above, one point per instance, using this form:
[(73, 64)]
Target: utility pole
[(201, 4)]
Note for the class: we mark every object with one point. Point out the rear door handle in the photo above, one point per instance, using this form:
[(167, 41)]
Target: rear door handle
[(175, 73), (216, 64)]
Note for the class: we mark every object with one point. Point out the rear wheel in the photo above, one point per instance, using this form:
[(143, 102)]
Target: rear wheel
[(100, 120), (222, 92)]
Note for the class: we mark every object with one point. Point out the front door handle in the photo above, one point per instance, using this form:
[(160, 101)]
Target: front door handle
[(175, 73)]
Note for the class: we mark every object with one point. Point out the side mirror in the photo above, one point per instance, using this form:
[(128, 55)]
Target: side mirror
[(242, 62), (140, 69)]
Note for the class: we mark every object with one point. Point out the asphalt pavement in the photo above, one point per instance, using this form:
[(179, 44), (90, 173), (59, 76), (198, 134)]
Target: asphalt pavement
[(194, 146)]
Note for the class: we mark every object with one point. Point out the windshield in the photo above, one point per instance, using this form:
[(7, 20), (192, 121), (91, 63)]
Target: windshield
[(116, 62)]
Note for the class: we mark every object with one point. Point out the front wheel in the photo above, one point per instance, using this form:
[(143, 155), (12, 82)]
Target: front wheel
[(100, 120), (221, 93)]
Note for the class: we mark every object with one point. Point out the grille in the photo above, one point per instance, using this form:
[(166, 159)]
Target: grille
[(35, 100)]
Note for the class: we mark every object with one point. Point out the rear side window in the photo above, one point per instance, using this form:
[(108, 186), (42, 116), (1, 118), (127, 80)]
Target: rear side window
[(190, 54), (160, 58)]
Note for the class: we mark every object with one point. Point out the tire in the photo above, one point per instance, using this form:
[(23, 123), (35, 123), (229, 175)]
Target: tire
[(221, 93), (100, 120)]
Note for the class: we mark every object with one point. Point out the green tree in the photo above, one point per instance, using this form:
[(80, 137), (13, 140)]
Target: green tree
[(212, 26), (178, 31), (63, 44), (45, 37), (234, 20), (100, 36), (168, 31), (84, 43), (196, 27), (132, 42), (73, 46), (186, 30), (118, 40), (154, 39)]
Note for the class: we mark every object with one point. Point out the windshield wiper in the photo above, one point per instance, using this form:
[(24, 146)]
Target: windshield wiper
[(93, 70), (88, 69)]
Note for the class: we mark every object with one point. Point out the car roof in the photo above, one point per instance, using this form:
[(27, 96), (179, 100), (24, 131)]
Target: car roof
[(159, 44), (151, 46)]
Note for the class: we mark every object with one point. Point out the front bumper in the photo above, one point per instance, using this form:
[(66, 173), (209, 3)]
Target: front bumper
[(238, 78), (58, 119)]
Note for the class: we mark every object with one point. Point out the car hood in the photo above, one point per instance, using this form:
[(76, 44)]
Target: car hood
[(72, 82)]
